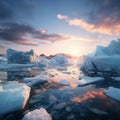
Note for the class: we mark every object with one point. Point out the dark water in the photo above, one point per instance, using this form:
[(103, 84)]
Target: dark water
[(66, 102)]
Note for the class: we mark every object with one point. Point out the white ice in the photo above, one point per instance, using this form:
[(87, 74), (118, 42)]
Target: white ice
[(37, 114)]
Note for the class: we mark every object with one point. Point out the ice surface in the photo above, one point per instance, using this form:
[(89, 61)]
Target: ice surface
[(13, 96), (37, 114), (88, 80), (31, 81), (113, 93)]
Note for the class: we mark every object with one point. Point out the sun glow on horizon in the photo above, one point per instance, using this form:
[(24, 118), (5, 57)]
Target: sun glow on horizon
[(74, 51)]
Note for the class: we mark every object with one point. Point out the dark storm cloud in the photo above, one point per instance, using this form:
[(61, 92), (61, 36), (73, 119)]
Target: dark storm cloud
[(18, 33)]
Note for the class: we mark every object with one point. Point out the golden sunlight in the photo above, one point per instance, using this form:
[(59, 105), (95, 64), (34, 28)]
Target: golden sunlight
[(74, 51)]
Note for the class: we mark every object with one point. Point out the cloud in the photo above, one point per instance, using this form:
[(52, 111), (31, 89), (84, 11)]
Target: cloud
[(104, 27), (19, 33), (62, 17)]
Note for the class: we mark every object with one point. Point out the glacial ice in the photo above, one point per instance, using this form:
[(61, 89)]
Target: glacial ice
[(103, 59), (20, 57)]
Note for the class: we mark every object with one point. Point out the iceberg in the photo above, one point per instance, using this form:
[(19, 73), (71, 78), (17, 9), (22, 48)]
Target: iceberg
[(103, 60), (20, 57), (37, 114), (13, 96), (59, 60)]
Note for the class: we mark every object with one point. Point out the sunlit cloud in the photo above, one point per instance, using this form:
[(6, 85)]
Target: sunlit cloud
[(62, 17), (105, 27)]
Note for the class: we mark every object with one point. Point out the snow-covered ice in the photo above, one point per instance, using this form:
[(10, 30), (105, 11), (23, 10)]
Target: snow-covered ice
[(13, 96), (37, 114), (31, 81), (113, 93), (88, 80)]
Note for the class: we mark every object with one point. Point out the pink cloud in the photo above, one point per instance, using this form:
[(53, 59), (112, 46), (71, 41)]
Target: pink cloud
[(105, 27), (62, 17)]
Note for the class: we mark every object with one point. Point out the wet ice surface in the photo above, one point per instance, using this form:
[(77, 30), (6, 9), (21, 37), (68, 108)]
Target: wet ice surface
[(65, 101)]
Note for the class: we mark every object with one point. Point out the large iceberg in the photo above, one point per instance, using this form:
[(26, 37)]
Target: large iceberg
[(20, 57), (103, 60), (13, 96)]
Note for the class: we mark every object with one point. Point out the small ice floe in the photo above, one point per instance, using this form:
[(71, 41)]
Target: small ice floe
[(38, 114), (52, 75), (13, 96), (85, 80), (97, 111), (66, 72), (35, 80), (113, 93), (116, 78), (64, 82), (35, 68), (60, 105)]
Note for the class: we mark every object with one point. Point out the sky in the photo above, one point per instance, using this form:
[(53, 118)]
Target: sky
[(73, 27)]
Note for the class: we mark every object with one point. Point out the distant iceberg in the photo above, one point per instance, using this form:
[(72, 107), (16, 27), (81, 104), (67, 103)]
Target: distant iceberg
[(103, 60), (20, 57)]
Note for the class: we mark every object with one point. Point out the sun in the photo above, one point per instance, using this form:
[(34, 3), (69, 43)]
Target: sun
[(74, 51)]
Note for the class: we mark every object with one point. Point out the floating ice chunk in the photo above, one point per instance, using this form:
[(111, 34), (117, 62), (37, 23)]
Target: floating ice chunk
[(64, 82), (66, 72), (35, 80), (97, 111), (88, 80), (13, 96), (116, 78), (37, 114), (113, 93)]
